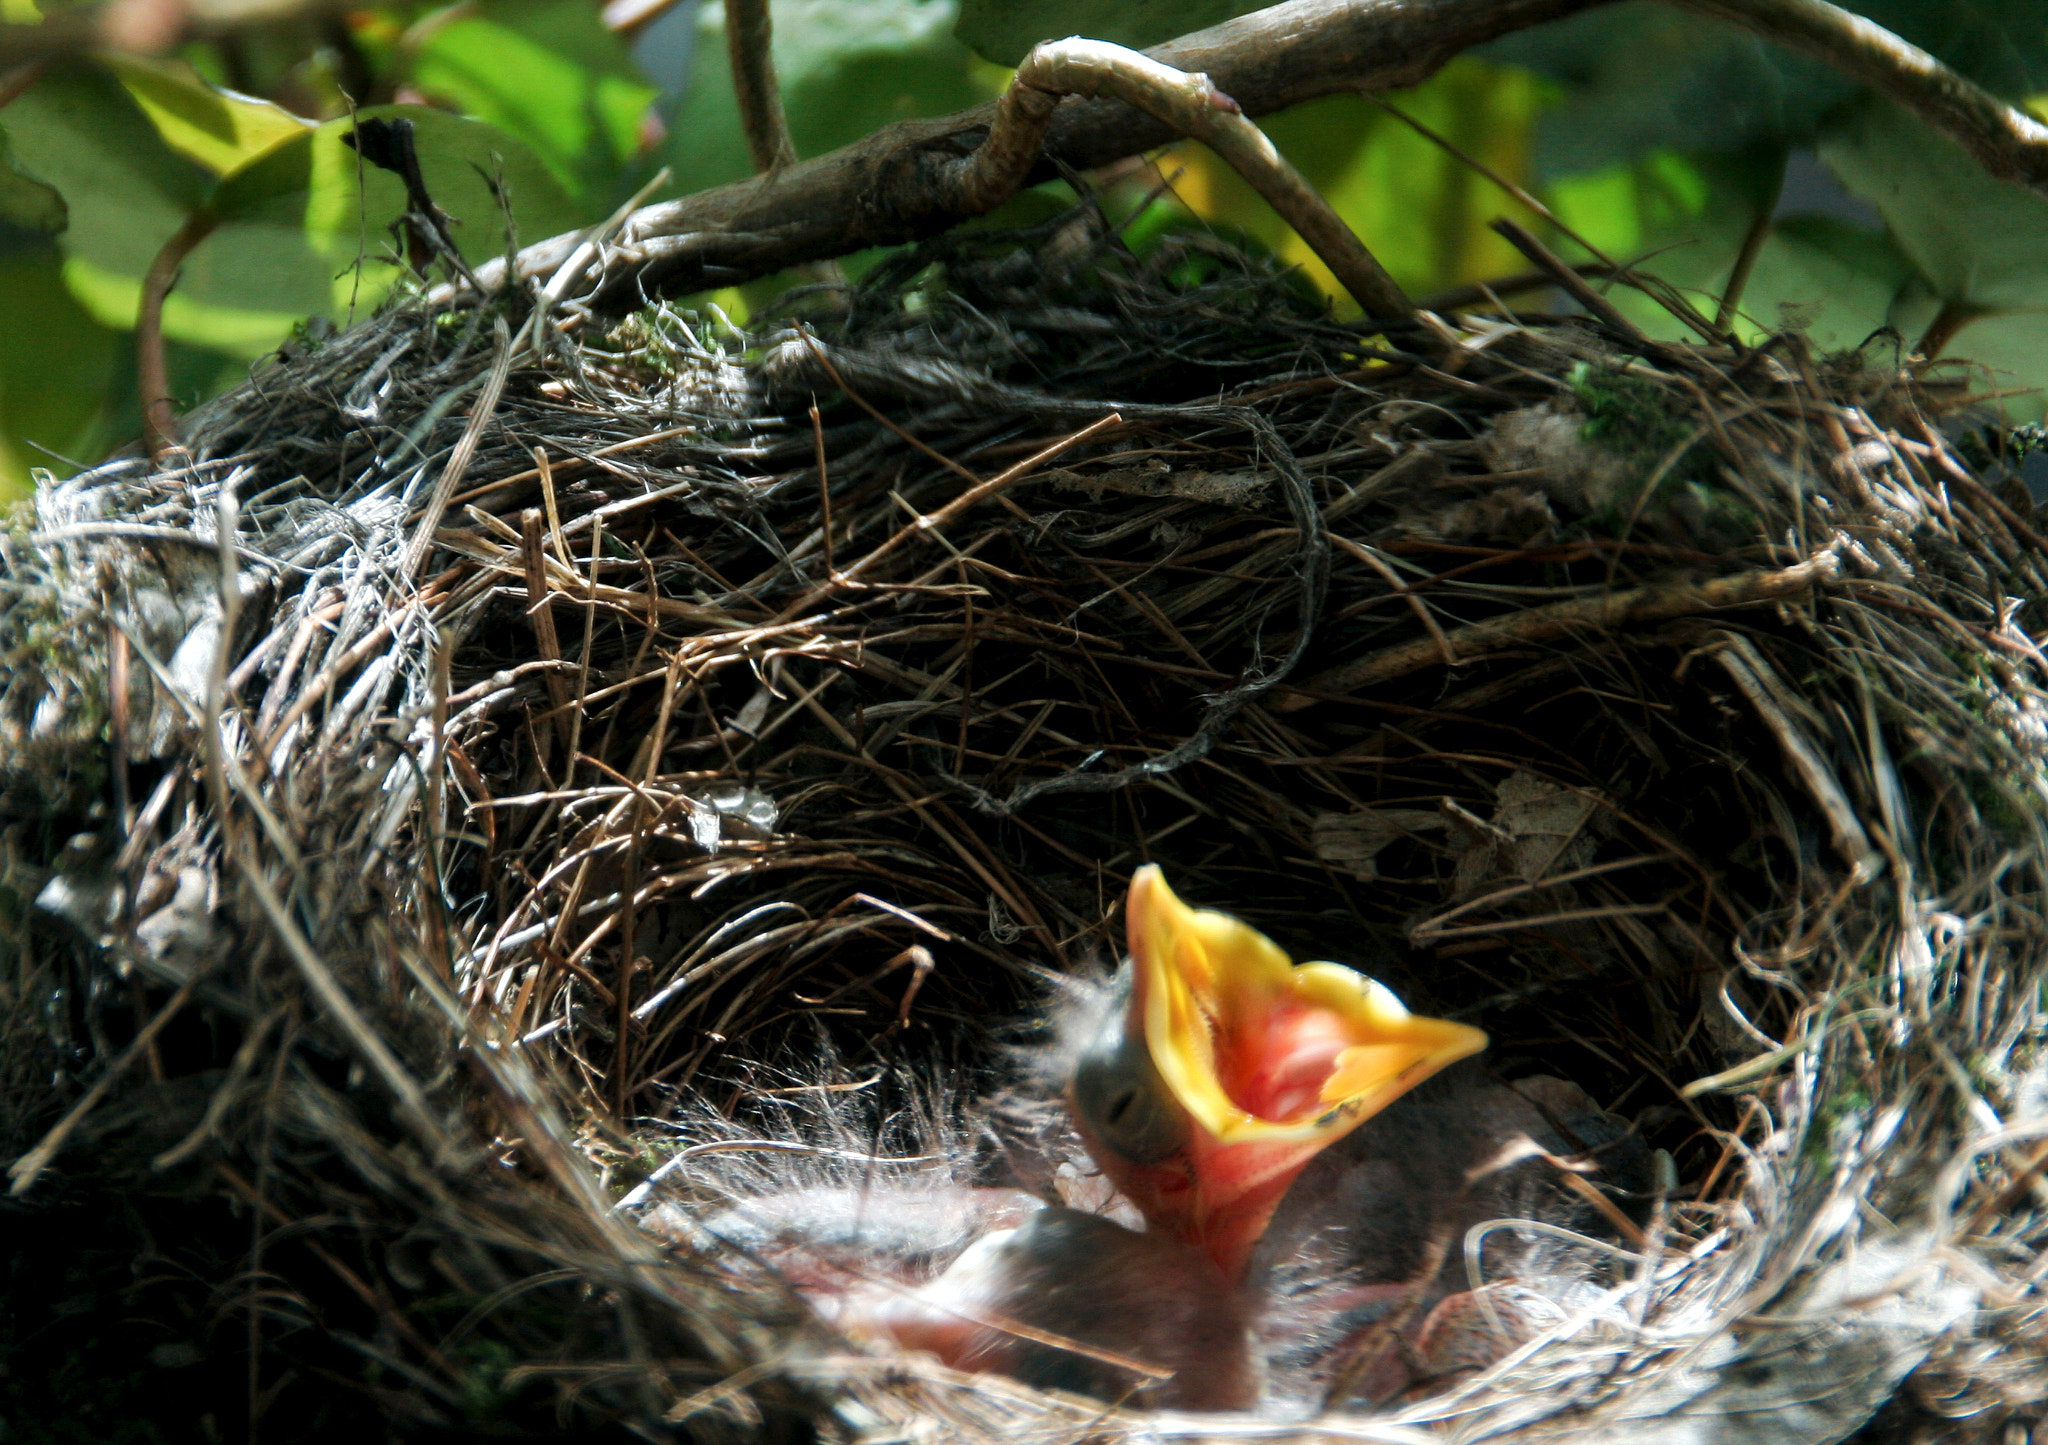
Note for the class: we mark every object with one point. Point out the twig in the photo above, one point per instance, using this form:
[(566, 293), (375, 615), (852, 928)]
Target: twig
[(1568, 279), (480, 415), (1953, 317), (1194, 107), (369, 1046), (1457, 298), (1188, 102), (749, 33), (1745, 259), (1659, 291), (541, 608), (824, 491), (1312, 559), (981, 492), (1633, 607), (1402, 590), (1754, 677), (152, 377), (590, 244)]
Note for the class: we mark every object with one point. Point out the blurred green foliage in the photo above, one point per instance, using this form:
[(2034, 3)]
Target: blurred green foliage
[(1654, 135)]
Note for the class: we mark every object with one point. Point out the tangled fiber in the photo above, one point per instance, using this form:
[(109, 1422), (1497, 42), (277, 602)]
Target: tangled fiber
[(496, 753)]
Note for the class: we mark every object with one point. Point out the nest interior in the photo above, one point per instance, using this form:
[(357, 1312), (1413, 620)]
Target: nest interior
[(587, 752)]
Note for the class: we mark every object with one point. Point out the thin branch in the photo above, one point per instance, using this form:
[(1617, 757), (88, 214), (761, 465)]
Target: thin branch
[(429, 519), (1193, 107), (1953, 317), (1659, 291), (1745, 262), (904, 182), (152, 376), (749, 33), (1567, 278), (1558, 619)]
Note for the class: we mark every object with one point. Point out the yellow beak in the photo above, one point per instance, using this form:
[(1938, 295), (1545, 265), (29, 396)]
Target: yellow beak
[(1256, 1047), (1270, 1061)]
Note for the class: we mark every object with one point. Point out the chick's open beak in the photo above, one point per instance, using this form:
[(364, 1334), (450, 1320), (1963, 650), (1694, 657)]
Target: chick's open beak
[(1269, 1061)]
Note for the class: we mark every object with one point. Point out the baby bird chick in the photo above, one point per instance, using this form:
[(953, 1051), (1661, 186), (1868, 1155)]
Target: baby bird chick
[(1303, 1157)]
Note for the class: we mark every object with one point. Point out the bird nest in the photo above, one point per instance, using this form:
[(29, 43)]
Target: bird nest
[(471, 792)]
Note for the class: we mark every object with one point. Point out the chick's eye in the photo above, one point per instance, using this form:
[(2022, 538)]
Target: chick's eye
[(1121, 1105)]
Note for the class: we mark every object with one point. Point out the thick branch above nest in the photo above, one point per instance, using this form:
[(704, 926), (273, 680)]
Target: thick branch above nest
[(894, 186), (902, 183)]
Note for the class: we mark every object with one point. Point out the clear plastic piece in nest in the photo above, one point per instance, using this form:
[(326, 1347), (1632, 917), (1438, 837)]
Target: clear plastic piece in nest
[(729, 813)]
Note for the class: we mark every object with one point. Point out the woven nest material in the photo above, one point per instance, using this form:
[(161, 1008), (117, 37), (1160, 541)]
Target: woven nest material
[(573, 750)]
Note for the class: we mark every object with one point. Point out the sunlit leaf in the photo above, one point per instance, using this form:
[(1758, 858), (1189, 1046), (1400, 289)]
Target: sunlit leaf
[(294, 223), (242, 331), (549, 73), (1424, 211), (128, 192), (219, 129), (846, 68), (311, 211), (78, 131)]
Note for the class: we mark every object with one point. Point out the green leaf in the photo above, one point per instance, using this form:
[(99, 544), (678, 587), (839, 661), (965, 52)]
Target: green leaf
[(1639, 76), (2007, 354), (1979, 242), (25, 201), (1833, 282), (78, 131), (1424, 212), (296, 224), (1005, 30), (846, 68), (219, 129), (55, 362), (549, 73), (1685, 218), (295, 221)]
